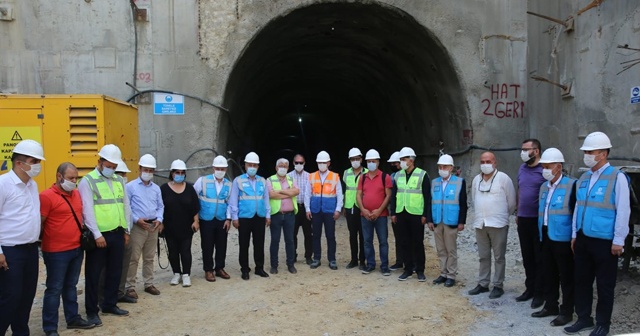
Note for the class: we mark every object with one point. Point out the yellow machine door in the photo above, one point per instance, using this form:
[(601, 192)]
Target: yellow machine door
[(17, 125)]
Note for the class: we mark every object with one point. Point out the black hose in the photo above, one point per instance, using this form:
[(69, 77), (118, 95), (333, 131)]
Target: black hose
[(134, 12), (200, 150), (472, 147), (177, 93)]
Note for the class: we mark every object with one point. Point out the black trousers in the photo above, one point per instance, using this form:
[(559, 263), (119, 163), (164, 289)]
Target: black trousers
[(356, 240), (531, 249), (18, 287), (179, 249), (411, 233), (396, 235), (251, 228), (305, 224), (558, 272), (109, 258), (213, 236), (594, 261)]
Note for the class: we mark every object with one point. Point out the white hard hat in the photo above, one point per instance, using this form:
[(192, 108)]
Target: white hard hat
[(407, 151), (354, 152), (552, 155), (252, 157), (147, 161), (596, 140), (111, 153), (30, 148), (445, 159), (395, 157), (178, 165), (122, 168), (220, 162), (372, 154), (323, 157)]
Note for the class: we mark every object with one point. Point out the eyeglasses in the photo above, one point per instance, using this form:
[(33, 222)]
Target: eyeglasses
[(528, 149), (299, 163), (180, 173), (490, 185)]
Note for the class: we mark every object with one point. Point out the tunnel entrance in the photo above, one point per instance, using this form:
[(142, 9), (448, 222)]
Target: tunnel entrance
[(333, 76)]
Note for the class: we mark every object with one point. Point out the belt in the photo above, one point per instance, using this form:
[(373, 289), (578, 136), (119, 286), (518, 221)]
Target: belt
[(284, 212), (25, 245), (116, 230)]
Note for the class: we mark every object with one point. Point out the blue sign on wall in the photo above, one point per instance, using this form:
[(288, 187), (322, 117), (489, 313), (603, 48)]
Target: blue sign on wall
[(635, 95), (168, 104)]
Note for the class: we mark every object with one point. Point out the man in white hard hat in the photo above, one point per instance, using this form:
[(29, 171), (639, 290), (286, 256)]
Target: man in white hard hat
[(409, 211), (301, 178), (284, 206), (122, 171), (374, 193), (529, 181), (323, 204), (19, 232), (394, 161), (215, 218), (447, 218), (494, 200), (251, 214), (147, 212), (350, 179), (106, 212), (555, 212), (600, 226)]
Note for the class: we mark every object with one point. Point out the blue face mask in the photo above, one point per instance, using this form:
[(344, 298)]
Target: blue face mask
[(107, 172), (252, 171), (178, 178)]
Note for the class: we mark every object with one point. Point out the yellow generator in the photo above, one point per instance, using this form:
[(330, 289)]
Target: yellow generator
[(70, 128)]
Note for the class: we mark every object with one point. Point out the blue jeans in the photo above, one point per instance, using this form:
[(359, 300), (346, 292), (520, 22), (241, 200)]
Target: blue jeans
[(317, 221), (63, 272), (380, 225), (18, 287), (280, 223)]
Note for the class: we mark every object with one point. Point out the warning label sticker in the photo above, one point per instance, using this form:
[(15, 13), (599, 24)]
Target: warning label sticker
[(9, 138)]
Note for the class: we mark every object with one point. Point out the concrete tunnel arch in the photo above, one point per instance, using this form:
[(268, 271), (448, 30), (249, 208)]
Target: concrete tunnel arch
[(332, 76)]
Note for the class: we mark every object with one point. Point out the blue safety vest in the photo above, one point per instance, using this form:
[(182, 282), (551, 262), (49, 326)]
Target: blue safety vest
[(445, 204), (559, 215), (212, 204), (596, 208), (251, 201)]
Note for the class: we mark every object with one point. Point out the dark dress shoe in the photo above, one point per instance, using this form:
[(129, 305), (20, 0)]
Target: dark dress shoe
[(545, 312), (127, 299), (152, 290), (479, 289), (51, 333), (333, 265), (315, 264), (273, 270), (262, 273), (449, 283), (439, 280), (396, 266), (352, 264), (245, 275), (309, 261), (362, 266), (525, 296), (537, 302), (292, 269), (209, 276), (561, 320), (95, 320), (115, 311), (80, 323), (222, 274), (496, 292), (579, 326)]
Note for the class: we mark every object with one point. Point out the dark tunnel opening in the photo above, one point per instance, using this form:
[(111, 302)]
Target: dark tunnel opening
[(341, 75)]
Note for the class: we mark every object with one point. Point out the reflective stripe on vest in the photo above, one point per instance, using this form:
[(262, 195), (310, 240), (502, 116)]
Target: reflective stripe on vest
[(559, 215), (596, 207), (351, 184), (250, 200), (212, 204), (445, 204), (323, 195), (277, 203), (409, 195), (108, 204)]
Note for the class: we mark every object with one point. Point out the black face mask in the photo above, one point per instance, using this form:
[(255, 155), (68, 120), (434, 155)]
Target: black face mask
[(395, 169)]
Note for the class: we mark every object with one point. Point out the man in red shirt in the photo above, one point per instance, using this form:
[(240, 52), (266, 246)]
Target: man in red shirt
[(61, 250), (374, 193)]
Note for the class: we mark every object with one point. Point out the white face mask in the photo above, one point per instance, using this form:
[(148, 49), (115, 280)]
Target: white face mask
[(124, 180), (355, 164), (524, 155), (299, 167), (590, 160), (404, 165), (68, 185), (486, 168), (146, 176), (107, 172), (547, 174), (219, 174), (444, 173), (282, 171), (372, 166), (34, 171), (322, 167)]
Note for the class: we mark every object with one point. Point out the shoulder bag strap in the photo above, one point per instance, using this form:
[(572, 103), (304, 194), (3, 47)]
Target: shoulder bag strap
[(73, 212)]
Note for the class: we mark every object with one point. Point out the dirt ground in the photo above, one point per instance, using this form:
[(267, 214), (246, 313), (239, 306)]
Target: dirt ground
[(342, 302)]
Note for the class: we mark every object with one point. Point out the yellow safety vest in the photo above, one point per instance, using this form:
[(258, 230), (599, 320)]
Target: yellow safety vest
[(351, 181), (108, 204), (276, 203), (409, 196)]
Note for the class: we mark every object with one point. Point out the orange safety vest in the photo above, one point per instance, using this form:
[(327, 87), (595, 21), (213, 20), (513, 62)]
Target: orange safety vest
[(323, 195)]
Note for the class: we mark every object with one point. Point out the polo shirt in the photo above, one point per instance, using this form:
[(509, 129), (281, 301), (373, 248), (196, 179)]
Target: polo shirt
[(60, 230), (373, 192)]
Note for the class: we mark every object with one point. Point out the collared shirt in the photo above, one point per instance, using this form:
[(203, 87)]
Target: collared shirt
[(493, 207), (287, 203), (219, 184), (302, 181), (373, 191), (235, 193), (339, 195), (146, 200), (552, 188), (19, 211), (623, 206), (60, 230), (89, 214)]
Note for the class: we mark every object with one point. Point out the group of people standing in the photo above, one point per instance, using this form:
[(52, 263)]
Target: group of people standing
[(571, 232)]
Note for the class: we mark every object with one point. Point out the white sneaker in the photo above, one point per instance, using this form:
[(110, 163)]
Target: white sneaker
[(186, 280), (175, 280)]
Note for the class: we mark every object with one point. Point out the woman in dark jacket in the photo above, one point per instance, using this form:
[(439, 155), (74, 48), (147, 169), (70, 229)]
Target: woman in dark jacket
[(181, 207)]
